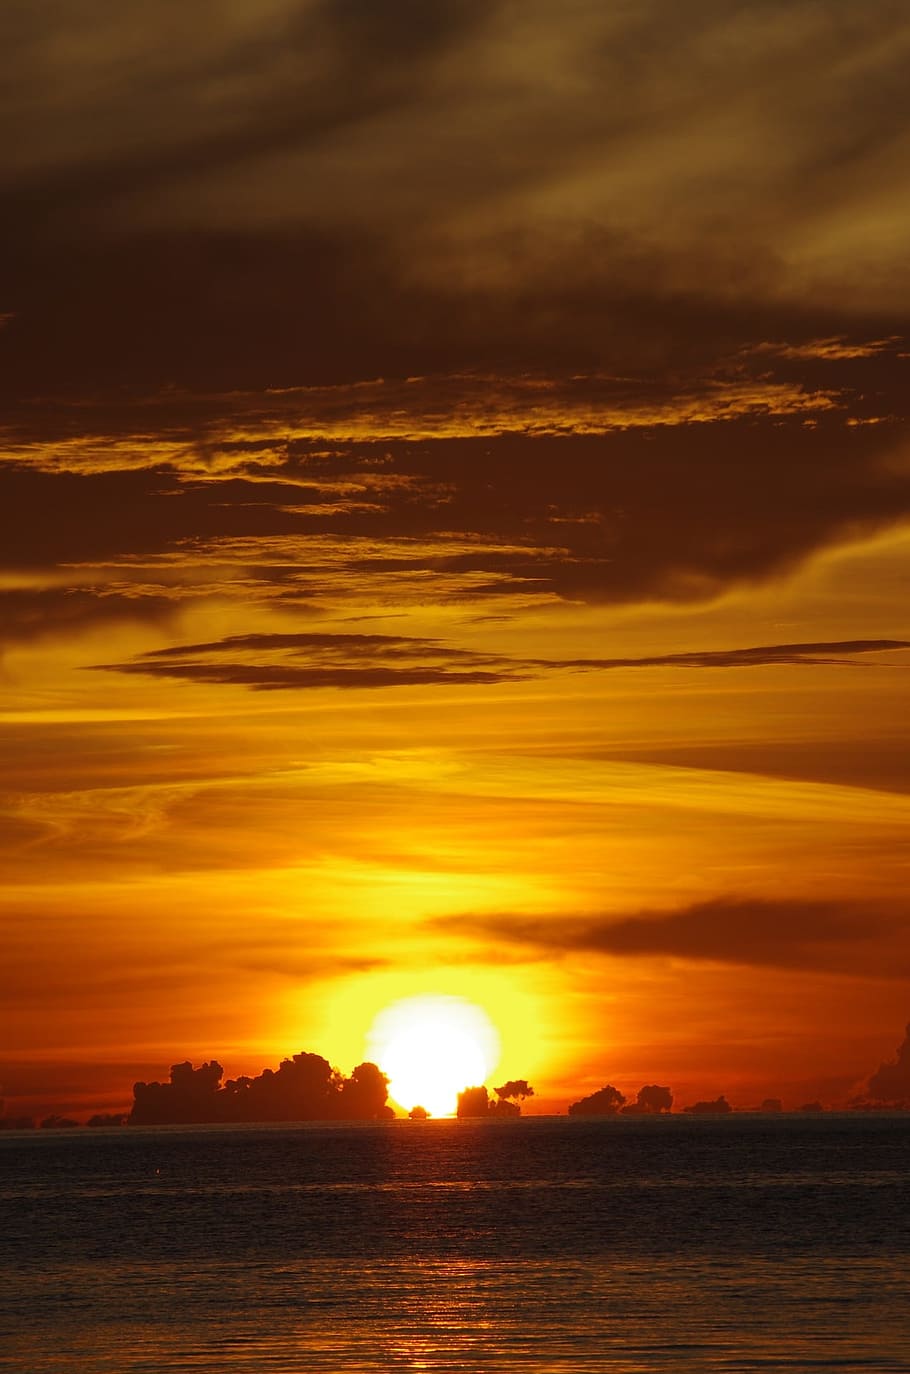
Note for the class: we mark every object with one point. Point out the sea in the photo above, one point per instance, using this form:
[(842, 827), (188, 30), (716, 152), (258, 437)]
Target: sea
[(543, 1244)]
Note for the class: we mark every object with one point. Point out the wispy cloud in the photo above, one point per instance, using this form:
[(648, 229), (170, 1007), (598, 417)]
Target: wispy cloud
[(838, 935), (306, 660), (834, 651), (838, 348), (272, 661)]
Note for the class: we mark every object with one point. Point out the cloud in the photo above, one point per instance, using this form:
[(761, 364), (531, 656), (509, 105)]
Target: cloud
[(306, 660), (837, 349), (273, 661), (875, 762), (841, 936), (832, 651), (30, 614), (247, 434), (301, 193), (508, 260), (655, 514)]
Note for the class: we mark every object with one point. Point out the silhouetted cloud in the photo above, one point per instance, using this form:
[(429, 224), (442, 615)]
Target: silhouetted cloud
[(329, 660), (831, 651), (841, 935), (273, 661), (32, 614)]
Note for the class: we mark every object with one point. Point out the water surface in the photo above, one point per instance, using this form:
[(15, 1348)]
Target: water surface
[(544, 1244)]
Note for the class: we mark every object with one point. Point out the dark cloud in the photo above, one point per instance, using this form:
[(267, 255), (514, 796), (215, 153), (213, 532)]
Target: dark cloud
[(31, 614), (675, 513), (273, 661), (329, 660), (832, 651), (882, 763), (214, 194), (835, 936)]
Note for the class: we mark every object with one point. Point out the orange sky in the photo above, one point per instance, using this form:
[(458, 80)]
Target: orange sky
[(454, 539)]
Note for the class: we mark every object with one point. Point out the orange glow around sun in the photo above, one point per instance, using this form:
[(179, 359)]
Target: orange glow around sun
[(431, 1047)]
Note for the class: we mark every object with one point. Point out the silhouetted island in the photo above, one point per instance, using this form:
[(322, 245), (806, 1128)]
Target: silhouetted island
[(303, 1088), (652, 1100), (718, 1106), (476, 1101)]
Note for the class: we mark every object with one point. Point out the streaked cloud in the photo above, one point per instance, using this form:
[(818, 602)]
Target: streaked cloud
[(837, 935), (308, 660), (273, 661)]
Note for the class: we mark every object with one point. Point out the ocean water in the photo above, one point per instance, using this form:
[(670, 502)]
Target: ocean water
[(543, 1244)]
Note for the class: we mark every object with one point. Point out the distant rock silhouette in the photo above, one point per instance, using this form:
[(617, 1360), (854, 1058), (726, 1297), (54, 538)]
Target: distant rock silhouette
[(59, 1123), (651, 1101), (303, 1088), (771, 1104), (719, 1107), (476, 1101), (473, 1102), (891, 1080), (107, 1119), (605, 1102), (419, 1114)]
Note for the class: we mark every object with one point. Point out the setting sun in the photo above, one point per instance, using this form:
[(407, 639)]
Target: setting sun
[(431, 1047)]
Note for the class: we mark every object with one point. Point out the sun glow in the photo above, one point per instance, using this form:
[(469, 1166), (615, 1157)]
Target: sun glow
[(431, 1047)]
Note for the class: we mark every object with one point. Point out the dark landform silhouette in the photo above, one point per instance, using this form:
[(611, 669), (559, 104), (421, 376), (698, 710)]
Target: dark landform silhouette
[(302, 1088), (652, 1100), (477, 1102), (307, 1088), (718, 1106), (891, 1080)]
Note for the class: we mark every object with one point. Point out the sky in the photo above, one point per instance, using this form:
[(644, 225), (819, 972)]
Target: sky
[(454, 537)]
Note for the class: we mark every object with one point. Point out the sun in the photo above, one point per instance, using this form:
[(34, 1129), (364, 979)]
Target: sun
[(431, 1047)]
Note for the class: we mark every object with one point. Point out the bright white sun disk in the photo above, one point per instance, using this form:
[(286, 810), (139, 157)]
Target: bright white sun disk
[(431, 1048)]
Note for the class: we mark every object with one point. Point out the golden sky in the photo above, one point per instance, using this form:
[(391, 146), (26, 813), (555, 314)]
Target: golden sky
[(454, 538)]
